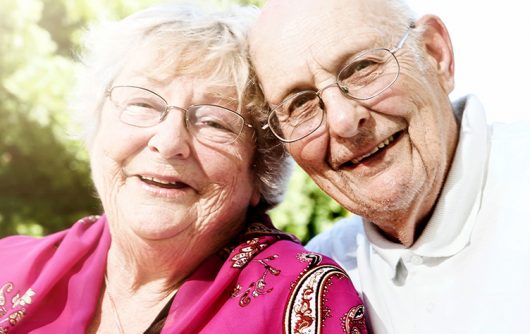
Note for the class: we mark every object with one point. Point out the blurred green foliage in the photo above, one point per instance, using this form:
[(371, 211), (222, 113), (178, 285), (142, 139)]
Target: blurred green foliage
[(44, 174)]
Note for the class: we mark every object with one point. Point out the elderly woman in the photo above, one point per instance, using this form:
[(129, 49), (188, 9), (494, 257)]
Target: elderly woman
[(184, 245)]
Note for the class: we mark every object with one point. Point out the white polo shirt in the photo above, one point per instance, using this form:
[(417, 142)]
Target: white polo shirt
[(469, 271)]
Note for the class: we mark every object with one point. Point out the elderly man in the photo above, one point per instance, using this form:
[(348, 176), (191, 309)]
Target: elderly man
[(358, 92)]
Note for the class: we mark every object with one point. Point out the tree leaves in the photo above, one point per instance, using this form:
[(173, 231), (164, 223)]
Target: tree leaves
[(306, 210), (44, 186)]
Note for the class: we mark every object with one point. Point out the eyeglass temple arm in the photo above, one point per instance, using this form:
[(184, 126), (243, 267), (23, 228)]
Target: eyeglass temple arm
[(399, 45)]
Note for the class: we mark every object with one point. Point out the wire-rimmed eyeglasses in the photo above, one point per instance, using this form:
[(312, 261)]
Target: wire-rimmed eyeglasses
[(211, 123), (369, 74)]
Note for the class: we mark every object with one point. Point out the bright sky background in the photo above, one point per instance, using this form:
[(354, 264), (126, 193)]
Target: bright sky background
[(491, 41)]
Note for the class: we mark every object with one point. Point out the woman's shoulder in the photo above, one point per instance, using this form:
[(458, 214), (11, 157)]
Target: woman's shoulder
[(37, 270), (316, 293), (16, 243), (296, 259), (19, 253)]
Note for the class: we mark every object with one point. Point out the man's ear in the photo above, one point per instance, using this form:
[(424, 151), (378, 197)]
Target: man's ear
[(437, 43)]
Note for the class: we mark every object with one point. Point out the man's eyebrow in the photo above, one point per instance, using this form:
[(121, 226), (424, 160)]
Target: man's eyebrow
[(332, 69), (295, 86), (291, 90)]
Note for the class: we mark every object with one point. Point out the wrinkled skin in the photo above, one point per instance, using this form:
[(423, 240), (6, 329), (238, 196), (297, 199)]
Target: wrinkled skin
[(299, 45), (216, 182)]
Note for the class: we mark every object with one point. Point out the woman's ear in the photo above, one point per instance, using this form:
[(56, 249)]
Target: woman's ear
[(437, 43), (255, 198)]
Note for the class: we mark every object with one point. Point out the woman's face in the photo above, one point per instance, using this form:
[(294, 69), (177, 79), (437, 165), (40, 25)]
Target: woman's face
[(161, 182)]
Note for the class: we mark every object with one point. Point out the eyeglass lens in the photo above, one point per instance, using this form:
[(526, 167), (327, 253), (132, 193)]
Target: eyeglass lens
[(366, 76), (141, 107)]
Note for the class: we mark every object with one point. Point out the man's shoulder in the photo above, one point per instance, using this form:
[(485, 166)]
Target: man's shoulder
[(515, 133), (343, 231), (519, 130), (340, 242), (509, 154)]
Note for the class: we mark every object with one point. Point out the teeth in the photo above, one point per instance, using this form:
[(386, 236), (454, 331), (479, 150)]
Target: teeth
[(377, 148), (158, 181)]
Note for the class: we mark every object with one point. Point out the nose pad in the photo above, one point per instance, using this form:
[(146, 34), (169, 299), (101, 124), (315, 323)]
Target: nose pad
[(345, 116), (171, 138)]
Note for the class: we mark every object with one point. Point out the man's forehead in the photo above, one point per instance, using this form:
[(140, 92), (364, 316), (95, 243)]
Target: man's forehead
[(293, 38), (280, 18)]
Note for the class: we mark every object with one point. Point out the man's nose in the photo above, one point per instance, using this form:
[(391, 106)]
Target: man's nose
[(171, 137), (344, 116)]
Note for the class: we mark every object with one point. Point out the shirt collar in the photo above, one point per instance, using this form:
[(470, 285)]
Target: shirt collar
[(449, 229), (390, 252)]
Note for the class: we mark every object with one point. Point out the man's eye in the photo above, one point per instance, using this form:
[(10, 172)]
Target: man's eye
[(361, 65), (300, 104), (358, 68)]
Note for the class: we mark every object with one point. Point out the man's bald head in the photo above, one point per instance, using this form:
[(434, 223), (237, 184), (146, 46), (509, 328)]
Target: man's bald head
[(284, 23)]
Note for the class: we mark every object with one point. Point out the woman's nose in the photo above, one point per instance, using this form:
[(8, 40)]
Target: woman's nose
[(171, 137), (344, 116)]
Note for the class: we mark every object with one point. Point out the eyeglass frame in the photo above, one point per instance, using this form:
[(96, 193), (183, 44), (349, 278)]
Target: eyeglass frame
[(168, 107), (343, 90)]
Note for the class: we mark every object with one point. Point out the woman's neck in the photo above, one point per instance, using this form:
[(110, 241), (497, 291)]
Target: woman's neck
[(153, 265), (122, 310), (140, 279)]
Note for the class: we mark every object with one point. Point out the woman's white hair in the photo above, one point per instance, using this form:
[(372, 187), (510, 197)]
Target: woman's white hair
[(184, 39)]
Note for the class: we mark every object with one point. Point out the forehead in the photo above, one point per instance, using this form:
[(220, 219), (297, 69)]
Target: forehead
[(296, 48), (150, 69), (165, 63)]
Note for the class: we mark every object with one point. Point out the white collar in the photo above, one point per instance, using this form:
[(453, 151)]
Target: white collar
[(449, 229)]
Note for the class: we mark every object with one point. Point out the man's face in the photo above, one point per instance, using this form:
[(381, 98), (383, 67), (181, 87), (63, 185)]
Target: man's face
[(384, 158)]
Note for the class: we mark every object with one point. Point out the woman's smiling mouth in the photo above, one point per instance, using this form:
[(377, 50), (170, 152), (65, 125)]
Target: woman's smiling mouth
[(162, 183)]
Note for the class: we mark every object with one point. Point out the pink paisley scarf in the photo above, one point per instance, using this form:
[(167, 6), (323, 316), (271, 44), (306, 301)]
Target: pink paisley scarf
[(265, 283)]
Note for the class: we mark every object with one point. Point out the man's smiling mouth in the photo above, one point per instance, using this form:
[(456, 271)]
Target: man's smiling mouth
[(379, 148)]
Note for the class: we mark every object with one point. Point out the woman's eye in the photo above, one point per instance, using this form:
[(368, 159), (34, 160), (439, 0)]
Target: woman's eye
[(214, 121), (138, 105), (141, 105), (214, 125), (143, 108)]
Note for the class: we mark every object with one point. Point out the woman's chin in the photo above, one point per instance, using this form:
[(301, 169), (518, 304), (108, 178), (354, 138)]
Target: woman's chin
[(159, 234), (157, 228)]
